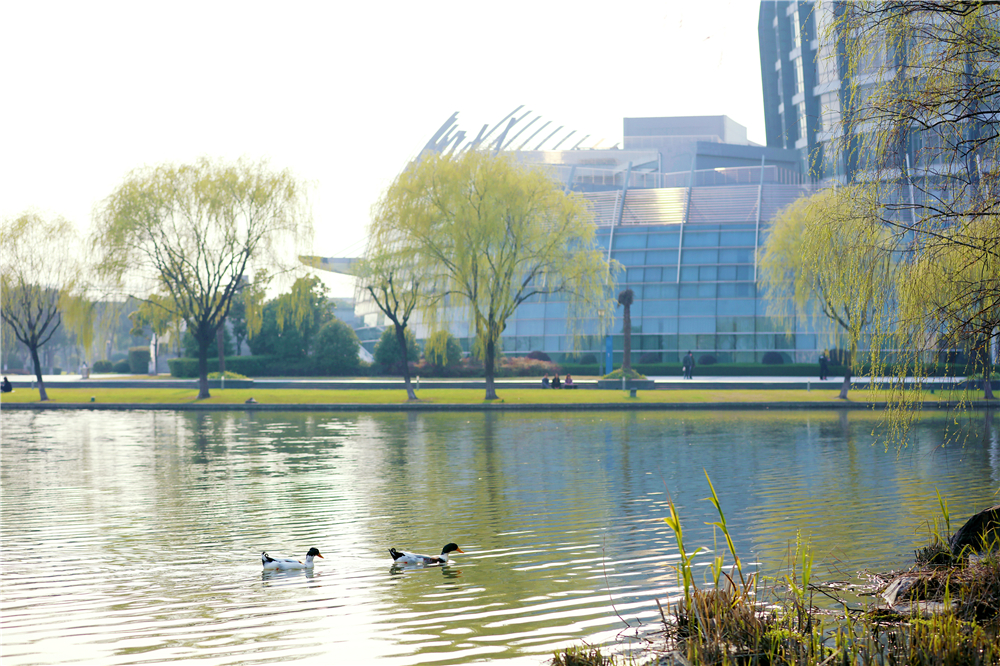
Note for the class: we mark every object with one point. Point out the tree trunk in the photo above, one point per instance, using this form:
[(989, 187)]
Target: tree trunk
[(489, 361), (627, 350), (203, 368), (220, 336), (401, 341), (847, 383), (42, 395)]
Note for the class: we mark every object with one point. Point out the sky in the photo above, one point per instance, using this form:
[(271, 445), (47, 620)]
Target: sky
[(343, 94)]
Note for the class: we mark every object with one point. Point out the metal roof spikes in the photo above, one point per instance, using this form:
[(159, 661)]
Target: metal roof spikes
[(577, 145), (571, 133), (503, 135), (521, 131), (539, 146), (547, 123), (502, 121), (432, 144)]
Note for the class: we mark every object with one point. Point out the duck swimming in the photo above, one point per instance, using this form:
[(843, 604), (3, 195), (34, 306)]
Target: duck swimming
[(402, 557), (283, 564)]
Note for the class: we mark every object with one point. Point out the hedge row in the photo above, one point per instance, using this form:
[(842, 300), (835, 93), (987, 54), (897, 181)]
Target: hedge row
[(250, 366)]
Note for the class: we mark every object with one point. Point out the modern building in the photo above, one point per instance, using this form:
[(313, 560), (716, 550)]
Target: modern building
[(684, 205)]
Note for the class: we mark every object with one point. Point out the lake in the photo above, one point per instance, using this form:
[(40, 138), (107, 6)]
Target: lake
[(135, 537)]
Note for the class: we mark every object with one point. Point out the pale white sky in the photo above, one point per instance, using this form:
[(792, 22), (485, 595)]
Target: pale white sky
[(343, 94)]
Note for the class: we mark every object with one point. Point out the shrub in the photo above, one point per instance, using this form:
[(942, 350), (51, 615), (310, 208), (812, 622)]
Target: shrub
[(539, 356), (191, 345), (122, 367), (707, 359), (388, 358), (772, 358), (526, 367), (229, 375), (442, 350), (101, 367), (650, 357), (336, 349), (588, 359), (138, 360)]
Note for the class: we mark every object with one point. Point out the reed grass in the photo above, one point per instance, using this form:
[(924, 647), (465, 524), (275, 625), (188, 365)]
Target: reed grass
[(742, 621)]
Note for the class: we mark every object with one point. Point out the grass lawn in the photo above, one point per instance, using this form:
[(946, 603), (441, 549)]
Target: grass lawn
[(152, 395)]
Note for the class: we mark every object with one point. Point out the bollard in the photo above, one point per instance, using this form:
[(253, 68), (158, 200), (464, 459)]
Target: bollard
[(222, 379), (808, 386), (418, 382), (623, 382), (632, 393)]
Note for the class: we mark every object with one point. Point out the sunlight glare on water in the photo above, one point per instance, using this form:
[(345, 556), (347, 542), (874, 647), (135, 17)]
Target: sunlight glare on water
[(135, 537)]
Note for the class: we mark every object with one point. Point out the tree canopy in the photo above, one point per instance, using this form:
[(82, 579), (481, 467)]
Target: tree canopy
[(824, 261), (40, 276), (920, 139), (190, 233), (487, 234)]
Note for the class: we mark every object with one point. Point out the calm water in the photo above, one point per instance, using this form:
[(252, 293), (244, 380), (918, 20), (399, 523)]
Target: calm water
[(134, 538)]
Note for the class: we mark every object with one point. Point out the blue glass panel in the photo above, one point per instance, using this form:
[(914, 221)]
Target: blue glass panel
[(530, 327), (668, 291), (696, 324), (689, 274), (738, 256), (727, 272), (555, 327), (737, 238), (661, 258), (725, 342), (736, 290), (744, 342), (660, 308), (654, 274), (530, 310), (696, 239), (555, 310), (744, 272), (700, 257), (705, 290), (736, 307), (805, 341), (663, 240), (765, 341), (633, 275), (708, 274), (630, 258), (629, 241)]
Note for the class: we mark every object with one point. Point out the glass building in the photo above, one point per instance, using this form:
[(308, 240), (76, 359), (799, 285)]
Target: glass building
[(684, 207)]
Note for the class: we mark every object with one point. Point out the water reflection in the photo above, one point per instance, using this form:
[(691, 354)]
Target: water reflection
[(137, 536)]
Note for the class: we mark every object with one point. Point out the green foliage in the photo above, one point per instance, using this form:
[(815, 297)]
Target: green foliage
[(228, 374), (138, 360), (101, 367), (257, 366), (291, 321), (442, 349), (629, 373), (194, 232), (38, 281), (123, 367), (336, 349), (492, 233), (190, 346), (388, 358)]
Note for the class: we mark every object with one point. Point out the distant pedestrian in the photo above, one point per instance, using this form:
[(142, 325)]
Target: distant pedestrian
[(688, 366), (568, 384), (5, 387), (545, 381), (556, 383), (824, 367)]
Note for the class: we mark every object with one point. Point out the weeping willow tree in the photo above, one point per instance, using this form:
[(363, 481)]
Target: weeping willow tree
[(824, 261), (919, 138), (40, 278), (182, 239), (485, 234)]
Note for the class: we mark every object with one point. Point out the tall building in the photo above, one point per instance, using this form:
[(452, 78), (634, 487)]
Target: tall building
[(683, 204)]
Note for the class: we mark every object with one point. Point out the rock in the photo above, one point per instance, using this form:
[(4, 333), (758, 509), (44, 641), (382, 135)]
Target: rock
[(978, 533), (901, 588)]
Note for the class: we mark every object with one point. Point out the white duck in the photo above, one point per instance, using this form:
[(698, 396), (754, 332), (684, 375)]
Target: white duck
[(402, 557), (283, 564)]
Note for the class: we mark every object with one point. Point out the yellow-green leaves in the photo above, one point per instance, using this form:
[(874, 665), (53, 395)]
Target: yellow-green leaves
[(491, 233)]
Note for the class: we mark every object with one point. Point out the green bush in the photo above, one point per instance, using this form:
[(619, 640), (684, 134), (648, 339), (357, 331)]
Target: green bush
[(388, 359), (255, 366), (138, 360), (442, 350), (101, 367), (191, 345), (336, 349), (122, 367)]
